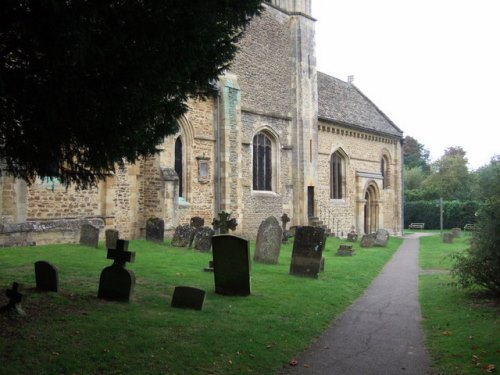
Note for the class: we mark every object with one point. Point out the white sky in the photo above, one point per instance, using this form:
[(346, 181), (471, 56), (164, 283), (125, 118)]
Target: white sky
[(432, 66)]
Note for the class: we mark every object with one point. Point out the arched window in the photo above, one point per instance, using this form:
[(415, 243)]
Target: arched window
[(262, 162), (337, 176), (384, 171), (179, 165)]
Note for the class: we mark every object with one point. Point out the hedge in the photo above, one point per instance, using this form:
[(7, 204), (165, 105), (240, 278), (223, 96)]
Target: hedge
[(455, 213)]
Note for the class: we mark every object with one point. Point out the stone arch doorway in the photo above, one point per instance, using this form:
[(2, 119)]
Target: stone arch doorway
[(372, 209)]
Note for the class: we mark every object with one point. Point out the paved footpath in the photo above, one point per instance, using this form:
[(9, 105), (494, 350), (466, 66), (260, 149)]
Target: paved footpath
[(380, 334)]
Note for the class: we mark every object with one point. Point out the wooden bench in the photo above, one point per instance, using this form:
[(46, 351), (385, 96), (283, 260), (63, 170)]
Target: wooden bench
[(416, 226), (469, 227)]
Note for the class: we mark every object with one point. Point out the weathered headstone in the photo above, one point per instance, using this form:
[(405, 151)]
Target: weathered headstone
[(13, 307), (197, 222), (345, 250), (268, 244), (448, 237), (116, 282), (231, 265), (89, 235), (224, 224), (456, 232), (203, 239), (381, 238), (46, 276), (186, 297), (155, 230), (111, 236), (284, 220), (352, 236), (183, 236), (368, 240), (307, 251)]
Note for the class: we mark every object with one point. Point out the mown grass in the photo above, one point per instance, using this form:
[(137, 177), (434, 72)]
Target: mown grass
[(462, 327), (73, 332)]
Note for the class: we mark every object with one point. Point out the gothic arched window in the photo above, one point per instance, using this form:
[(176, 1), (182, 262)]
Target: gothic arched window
[(262, 162), (179, 165)]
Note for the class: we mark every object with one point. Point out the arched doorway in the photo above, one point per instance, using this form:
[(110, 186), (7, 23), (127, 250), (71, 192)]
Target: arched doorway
[(371, 209)]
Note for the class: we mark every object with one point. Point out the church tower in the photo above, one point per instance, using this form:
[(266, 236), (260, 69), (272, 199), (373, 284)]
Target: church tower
[(304, 101)]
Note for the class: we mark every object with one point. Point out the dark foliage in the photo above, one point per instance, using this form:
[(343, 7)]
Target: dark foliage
[(87, 84), (455, 213)]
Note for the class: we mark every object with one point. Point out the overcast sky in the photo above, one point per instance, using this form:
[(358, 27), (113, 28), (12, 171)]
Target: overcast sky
[(432, 66)]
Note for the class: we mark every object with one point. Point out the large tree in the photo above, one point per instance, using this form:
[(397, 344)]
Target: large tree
[(86, 84), (415, 154)]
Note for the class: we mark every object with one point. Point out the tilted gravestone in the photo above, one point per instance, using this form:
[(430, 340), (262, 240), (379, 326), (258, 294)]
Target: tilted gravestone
[(116, 282), (268, 244), (13, 307), (155, 230), (186, 297), (307, 251), (203, 239), (197, 222), (46, 276), (381, 238), (368, 240), (183, 236), (111, 236), (89, 235), (231, 265)]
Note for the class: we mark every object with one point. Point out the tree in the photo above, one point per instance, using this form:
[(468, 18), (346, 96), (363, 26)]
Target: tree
[(87, 84), (481, 263), (415, 154)]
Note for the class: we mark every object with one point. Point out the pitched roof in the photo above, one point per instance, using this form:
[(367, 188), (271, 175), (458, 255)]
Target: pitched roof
[(344, 103)]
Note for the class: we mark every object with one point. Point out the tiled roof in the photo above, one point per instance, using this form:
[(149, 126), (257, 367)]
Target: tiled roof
[(344, 103)]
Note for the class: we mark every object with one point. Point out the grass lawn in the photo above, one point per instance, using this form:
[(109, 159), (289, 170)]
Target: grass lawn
[(462, 327), (73, 332)]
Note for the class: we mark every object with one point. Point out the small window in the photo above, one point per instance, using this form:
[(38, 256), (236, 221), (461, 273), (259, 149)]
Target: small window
[(262, 162), (384, 171), (337, 176)]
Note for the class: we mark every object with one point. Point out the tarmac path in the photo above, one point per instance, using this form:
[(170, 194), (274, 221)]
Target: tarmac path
[(381, 333)]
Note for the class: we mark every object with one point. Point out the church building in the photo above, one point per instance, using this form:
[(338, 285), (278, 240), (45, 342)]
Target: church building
[(276, 137)]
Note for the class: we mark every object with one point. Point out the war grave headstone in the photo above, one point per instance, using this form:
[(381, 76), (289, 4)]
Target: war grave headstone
[(13, 307), (186, 297), (345, 250), (183, 235), (381, 238), (448, 237), (197, 222), (223, 224), (307, 251), (155, 230), (268, 243), (111, 236), (368, 240), (284, 220), (89, 235), (231, 265), (116, 282), (46, 276), (203, 239)]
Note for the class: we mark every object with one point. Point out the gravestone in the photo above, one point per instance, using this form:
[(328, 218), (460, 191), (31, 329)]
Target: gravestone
[(381, 238), (368, 240), (448, 237), (456, 232), (116, 282), (268, 244), (352, 236), (345, 250), (111, 236), (203, 239), (89, 235), (197, 222), (284, 220), (155, 230), (210, 267), (186, 297), (307, 251), (46, 276), (13, 307), (224, 224), (183, 236), (322, 265), (231, 265)]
